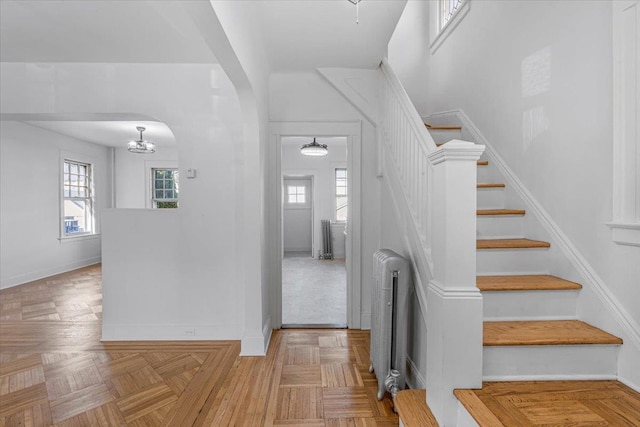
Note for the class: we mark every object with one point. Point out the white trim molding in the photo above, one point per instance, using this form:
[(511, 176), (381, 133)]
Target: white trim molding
[(439, 35), (625, 227), (625, 234), (353, 132)]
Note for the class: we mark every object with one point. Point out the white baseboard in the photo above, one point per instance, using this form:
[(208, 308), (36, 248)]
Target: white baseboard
[(629, 383), (365, 321), (256, 343), (170, 332), (415, 380), (52, 271)]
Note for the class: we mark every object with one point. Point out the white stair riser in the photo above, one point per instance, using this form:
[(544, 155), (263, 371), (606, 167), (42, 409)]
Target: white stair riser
[(512, 261), (499, 226), (491, 198), (547, 362), (442, 136), (529, 305), (488, 174)]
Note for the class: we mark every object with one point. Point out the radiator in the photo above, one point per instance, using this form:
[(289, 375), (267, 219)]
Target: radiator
[(327, 240), (389, 320)]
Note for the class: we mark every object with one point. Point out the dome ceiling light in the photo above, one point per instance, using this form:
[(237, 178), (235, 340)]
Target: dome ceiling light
[(314, 149)]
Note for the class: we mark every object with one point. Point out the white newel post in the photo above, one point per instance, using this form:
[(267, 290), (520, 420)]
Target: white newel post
[(454, 303)]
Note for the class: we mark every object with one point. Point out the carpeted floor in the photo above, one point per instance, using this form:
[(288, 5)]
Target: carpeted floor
[(314, 292)]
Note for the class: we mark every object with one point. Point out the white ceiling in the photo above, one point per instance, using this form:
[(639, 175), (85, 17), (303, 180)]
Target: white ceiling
[(110, 133), (99, 31), (308, 34), (299, 35)]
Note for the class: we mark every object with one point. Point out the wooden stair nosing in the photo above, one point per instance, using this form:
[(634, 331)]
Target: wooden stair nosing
[(545, 332), (497, 212), (541, 282), (436, 127), (476, 408), (412, 408), (490, 185), (483, 162), (511, 244)]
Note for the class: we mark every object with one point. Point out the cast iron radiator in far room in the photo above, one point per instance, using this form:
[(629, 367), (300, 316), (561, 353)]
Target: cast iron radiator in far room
[(389, 321), (327, 240)]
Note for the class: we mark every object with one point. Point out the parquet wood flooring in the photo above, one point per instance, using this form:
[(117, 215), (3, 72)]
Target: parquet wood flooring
[(55, 371), (553, 403)]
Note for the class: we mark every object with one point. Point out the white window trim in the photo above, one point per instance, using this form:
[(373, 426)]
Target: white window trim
[(152, 180), (625, 226), (149, 165), (439, 35), (79, 158), (308, 195)]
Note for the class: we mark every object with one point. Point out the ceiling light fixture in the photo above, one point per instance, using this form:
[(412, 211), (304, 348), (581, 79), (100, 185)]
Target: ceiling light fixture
[(314, 149), (141, 146), (356, 2)]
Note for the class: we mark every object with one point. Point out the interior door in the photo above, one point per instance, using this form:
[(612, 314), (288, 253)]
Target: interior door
[(297, 215)]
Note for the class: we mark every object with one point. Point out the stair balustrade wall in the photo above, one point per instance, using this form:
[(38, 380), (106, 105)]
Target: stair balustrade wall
[(437, 215)]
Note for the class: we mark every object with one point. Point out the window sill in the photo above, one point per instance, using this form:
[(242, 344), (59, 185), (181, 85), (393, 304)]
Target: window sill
[(448, 29), (625, 233), (79, 238)]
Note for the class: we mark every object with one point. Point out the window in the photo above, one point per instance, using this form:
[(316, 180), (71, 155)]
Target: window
[(341, 194), (448, 9), (296, 194), (165, 188), (77, 199), (445, 16)]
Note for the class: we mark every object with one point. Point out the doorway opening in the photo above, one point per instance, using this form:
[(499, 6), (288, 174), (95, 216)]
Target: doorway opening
[(314, 220)]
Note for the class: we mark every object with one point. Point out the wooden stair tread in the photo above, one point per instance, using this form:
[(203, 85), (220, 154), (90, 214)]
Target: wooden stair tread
[(436, 127), (476, 408), (490, 185), (412, 408), (541, 282), (483, 212), (510, 244), (544, 332), (483, 162)]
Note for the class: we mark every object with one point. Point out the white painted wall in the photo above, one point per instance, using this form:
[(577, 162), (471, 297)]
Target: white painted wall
[(408, 52), (133, 174), (536, 79), (30, 188), (200, 106), (323, 171), (233, 33), (309, 97)]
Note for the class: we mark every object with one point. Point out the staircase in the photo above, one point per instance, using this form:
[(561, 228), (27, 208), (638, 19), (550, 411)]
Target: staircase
[(531, 330)]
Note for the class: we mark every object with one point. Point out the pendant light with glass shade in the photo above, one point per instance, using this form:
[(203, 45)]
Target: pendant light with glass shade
[(314, 149), (141, 146)]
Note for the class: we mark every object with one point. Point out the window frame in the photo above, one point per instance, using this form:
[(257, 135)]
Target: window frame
[(440, 31), (297, 194), (625, 223), (335, 193), (88, 199), (176, 188)]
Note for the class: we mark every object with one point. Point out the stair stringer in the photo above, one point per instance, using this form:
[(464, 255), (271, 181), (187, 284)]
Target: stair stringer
[(597, 305)]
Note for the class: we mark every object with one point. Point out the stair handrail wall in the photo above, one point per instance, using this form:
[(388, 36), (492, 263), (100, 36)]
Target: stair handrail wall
[(438, 186)]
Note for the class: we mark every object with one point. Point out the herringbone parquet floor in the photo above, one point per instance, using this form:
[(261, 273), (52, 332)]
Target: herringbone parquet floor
[(55, 371)]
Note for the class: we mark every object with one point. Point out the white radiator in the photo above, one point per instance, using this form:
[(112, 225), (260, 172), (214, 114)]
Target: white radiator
[(389, 320)]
